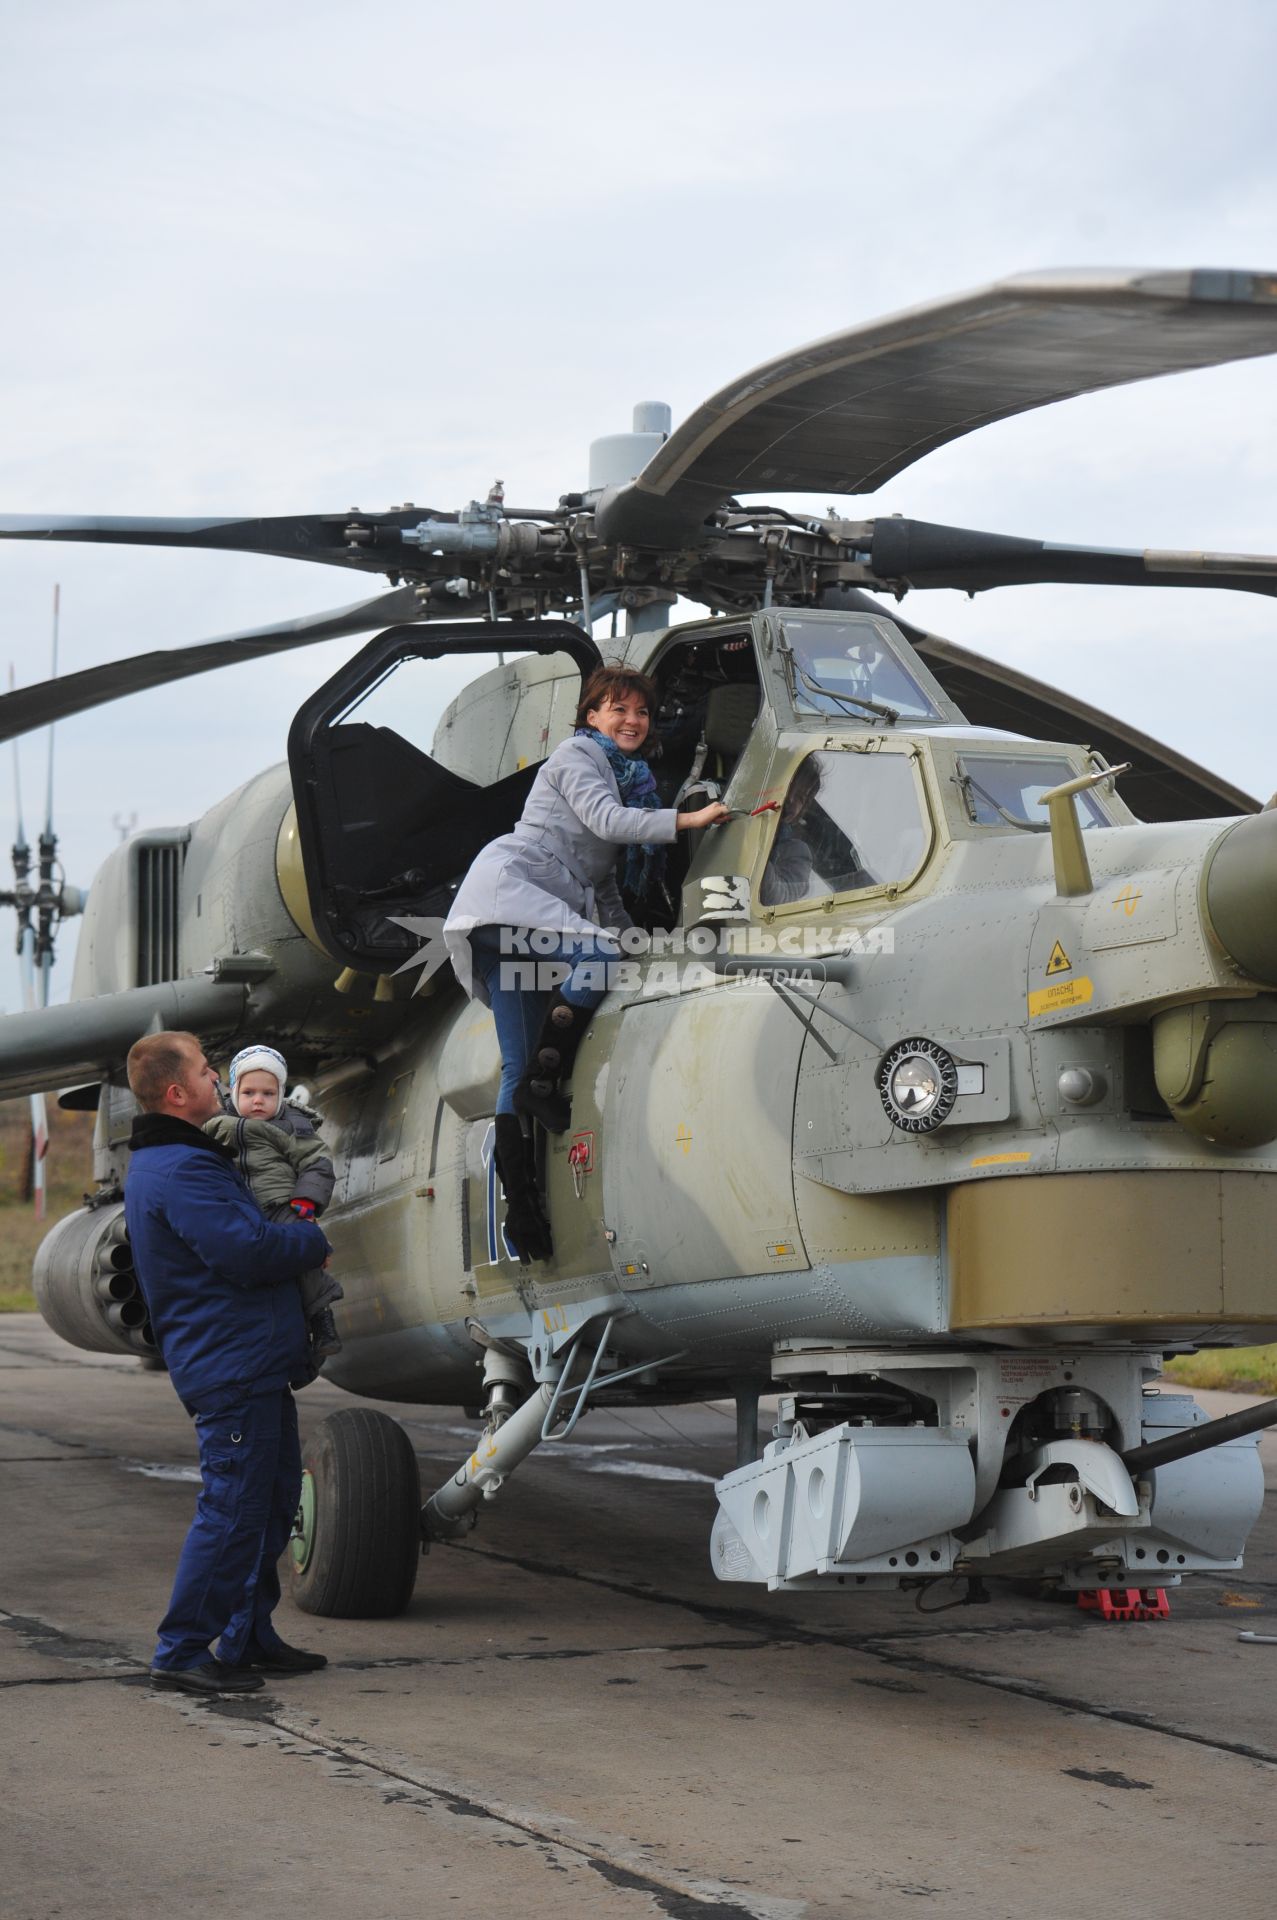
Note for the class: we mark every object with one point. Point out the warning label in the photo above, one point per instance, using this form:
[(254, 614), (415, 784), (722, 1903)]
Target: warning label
[(1065, 993), (1059, 961), (1026, 1370)]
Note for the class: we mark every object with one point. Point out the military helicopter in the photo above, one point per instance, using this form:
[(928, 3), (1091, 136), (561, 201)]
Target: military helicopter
[(945, 1142)]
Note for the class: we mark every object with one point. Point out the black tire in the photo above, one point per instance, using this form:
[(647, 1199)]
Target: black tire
[(359, 1538)]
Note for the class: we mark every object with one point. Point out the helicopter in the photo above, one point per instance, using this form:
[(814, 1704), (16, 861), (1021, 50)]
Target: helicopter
[(945, 1144)]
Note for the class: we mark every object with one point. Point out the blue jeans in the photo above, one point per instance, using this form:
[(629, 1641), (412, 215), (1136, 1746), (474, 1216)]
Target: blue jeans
[(227, 1581), (519, 1009)]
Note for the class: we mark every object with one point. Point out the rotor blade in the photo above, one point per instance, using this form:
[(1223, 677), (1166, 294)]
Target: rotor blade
[(26, 967), (916, 553), (1162, 784), (846, 413), (38, 1145), (20, 849), (39, 1148), (52, 700), (53, 674), (364, 540)]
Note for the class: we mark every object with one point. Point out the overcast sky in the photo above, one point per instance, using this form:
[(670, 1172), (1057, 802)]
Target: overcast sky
[(298, 257)]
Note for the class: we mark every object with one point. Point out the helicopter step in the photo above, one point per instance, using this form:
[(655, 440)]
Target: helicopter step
[(516, 1424), (888, 1470)]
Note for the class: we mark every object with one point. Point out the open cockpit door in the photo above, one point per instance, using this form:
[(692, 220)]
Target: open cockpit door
[(386, 830)]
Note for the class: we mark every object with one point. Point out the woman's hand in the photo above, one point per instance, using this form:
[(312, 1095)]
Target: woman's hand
[(711, 816)]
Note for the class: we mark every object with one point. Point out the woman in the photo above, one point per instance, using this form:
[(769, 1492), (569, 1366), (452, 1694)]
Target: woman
[(555, 875), (788, 873)]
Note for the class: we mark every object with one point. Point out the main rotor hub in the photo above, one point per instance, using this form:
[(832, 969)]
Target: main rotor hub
[(618, 457)]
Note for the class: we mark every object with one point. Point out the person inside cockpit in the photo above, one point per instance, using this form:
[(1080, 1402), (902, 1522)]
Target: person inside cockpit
[(788, 873)]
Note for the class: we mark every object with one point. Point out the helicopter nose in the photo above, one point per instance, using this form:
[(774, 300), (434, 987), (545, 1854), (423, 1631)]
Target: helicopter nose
[(1239, 894)]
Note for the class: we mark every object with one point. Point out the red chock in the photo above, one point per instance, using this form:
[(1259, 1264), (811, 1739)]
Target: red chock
[(1126, 1603)]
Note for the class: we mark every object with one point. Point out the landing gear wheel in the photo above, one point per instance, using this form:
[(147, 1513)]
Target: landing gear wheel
[(357, 1537)]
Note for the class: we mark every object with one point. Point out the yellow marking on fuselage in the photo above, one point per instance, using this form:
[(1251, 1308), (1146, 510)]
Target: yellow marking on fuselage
[(1064, 993)]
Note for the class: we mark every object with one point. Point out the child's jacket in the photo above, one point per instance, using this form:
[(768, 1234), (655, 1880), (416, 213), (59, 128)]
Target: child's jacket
[(282, 1159)]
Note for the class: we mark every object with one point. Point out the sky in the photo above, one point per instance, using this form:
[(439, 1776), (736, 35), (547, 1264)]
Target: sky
[(298, 258)]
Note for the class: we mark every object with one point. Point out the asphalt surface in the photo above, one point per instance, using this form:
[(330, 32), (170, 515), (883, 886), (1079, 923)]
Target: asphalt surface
[(575, 1718)]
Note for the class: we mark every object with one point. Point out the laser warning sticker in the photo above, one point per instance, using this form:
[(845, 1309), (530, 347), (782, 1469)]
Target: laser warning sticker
[(1059, 961), (1061, 996)]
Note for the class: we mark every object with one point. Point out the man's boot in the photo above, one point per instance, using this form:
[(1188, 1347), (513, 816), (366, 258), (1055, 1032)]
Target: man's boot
[(537, 1093), (526, 1226)]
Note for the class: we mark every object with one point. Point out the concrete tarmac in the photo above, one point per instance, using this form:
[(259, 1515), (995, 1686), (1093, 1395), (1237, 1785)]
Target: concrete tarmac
[(575, 1718)]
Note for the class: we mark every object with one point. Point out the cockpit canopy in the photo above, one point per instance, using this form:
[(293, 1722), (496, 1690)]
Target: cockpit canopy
[(855, 668), (849, 821), (1006, 790), (392, 809)]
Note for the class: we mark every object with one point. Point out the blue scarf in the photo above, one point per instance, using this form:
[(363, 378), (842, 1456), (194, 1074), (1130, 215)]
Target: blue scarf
[(644, 865)]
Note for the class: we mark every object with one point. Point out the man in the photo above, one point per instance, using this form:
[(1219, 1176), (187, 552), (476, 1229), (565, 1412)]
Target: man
[(220, 1281)]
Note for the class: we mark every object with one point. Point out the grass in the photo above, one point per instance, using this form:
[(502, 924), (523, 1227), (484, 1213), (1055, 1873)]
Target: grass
[(1244, 1369), (69, 1166)]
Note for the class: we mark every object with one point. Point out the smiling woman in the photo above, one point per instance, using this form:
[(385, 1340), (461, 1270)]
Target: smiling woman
[(554, 877)]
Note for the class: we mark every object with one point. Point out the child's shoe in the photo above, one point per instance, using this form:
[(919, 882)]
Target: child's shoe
[(323, 1334)]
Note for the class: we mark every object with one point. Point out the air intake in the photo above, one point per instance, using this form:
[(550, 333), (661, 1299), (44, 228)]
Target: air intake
[(158, 896)]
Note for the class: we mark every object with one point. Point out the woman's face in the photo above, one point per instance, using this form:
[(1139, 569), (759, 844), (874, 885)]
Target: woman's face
[(625, 720)]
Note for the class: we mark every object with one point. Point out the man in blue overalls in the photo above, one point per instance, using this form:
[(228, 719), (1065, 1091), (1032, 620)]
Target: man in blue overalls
[(220, 1281)]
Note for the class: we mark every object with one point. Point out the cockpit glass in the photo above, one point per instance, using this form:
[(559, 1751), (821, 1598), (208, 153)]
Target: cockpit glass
[(847, 821), (838, 663), (1005, 792)]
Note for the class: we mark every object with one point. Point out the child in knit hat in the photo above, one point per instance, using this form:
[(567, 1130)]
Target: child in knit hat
[(287, 1166)]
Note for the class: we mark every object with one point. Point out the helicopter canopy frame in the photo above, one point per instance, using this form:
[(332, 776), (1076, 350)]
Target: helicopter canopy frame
[(384, 828)]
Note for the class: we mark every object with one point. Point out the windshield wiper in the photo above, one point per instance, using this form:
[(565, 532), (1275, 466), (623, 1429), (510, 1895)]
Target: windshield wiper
[(970, 786), (877, 707)]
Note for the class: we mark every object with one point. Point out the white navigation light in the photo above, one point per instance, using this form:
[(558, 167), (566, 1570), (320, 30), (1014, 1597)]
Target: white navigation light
[(918, 1082)]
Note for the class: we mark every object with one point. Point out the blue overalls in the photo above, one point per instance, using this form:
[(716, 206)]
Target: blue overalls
[(220, 1283), (227, 1579)]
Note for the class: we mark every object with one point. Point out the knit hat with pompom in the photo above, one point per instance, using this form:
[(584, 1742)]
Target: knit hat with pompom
[(260, 1060)]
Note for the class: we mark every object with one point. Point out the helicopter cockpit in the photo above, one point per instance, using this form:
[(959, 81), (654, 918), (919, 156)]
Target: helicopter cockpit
[(390, 817), (708, 695), (837, 821), (848, 822), (848, 668)]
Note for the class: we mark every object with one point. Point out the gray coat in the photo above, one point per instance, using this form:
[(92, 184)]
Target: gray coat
[(787, 875), (557, 869)]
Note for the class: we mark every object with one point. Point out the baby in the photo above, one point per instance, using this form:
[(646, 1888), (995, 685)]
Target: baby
[(287, 1166)]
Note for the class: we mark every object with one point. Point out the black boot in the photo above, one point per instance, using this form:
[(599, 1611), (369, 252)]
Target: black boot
[(537, 1093), (526, 1226)]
